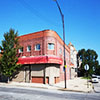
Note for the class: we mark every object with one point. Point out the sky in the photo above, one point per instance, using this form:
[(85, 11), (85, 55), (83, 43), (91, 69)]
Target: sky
[(81, 19)]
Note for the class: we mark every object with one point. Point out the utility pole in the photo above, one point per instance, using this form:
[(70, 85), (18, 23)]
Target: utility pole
[(62, 16)]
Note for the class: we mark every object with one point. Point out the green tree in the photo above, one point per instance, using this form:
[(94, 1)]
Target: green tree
[(9, 58), (88, 57)]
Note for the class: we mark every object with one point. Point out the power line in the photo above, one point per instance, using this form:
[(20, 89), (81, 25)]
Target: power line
[(36, 13)]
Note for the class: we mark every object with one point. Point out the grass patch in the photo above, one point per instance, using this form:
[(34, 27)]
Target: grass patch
[(86, 77)]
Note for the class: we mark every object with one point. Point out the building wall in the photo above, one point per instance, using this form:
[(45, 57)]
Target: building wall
[(20, 76), (46, 70), (32, 43), (46, 37), (38, 72), (73, 58), (43, 38)]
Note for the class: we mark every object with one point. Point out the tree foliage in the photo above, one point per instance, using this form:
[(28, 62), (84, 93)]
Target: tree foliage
[(88, 57), (9, 57)]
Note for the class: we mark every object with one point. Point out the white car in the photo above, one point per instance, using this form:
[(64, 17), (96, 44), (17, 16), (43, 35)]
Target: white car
[(95, 79), (98, 76)]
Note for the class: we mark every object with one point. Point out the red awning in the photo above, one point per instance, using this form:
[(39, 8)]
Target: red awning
[(39, 60)]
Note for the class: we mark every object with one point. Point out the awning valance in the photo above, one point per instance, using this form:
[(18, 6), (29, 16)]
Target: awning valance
[(39, 60)]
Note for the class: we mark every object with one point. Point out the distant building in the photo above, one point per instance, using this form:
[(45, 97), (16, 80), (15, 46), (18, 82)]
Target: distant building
[(73, 60), (41, 54)]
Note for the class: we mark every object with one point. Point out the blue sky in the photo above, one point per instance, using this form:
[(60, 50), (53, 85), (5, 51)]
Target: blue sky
[(82, 19)]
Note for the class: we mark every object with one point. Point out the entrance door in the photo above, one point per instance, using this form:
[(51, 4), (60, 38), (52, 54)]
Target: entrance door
[(27, 73)]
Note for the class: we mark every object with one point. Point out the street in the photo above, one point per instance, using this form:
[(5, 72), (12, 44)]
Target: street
[(23, 93)]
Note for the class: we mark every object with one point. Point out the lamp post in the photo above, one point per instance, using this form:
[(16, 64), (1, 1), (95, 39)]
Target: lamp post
[(62, 16)]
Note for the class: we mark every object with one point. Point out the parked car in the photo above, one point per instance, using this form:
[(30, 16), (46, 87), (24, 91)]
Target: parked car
[(98, 76), (95, 79)]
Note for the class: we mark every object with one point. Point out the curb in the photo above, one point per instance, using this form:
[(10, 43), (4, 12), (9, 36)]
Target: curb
[(60, 89), (75, 90)]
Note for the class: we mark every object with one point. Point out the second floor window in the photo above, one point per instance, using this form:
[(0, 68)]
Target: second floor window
[(37, 47), (28, 48), (21, 50), (51, 46)]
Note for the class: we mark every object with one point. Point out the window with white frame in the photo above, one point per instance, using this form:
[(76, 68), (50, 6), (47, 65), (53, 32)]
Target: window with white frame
[(37, 47), (28, 48), (51, 46), (21, 50)]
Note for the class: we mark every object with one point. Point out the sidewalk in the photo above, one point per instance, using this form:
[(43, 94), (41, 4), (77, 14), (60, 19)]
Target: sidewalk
[(76, 85)]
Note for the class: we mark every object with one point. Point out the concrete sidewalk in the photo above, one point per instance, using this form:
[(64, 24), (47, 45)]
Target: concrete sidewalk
[(76, 85)]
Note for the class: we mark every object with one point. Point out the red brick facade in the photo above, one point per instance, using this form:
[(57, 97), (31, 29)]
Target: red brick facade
[(44, 38)]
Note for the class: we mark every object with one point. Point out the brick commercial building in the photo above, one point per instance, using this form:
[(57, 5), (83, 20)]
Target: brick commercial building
[(41, 54)]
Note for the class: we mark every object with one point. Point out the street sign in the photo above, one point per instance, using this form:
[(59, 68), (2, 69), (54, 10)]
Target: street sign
[(86, 67)]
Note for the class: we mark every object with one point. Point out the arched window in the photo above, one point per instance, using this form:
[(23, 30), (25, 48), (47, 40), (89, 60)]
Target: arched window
[(51, 46)]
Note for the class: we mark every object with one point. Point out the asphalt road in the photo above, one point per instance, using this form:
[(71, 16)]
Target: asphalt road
[(22, 93)]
